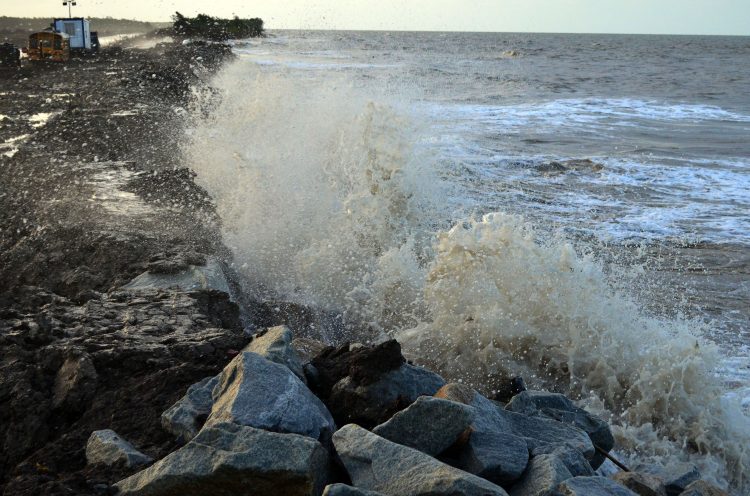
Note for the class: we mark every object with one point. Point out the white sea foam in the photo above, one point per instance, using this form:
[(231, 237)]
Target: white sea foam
[(592, 111), (325, 200)]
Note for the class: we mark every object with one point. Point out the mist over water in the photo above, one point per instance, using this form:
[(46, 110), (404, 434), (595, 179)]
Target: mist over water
[(353, 186)]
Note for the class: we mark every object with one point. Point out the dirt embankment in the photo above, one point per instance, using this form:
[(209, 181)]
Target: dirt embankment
[(91, 195)]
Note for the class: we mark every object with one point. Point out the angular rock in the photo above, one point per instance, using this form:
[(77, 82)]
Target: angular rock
[(534, 431), (641, 483), (702, 488), (558, 407), (371, 404), (495, 456), (676, 477), (365, 365), (367, 385), (108, 448), (75, 383), (188, 277), (344, 490), (573, 459), (592, 486), (543, 474), (540, 432), (500, 441), (235, 460), (376, 464), (186, 417), (275, 344), (430, 425), (259, 393)]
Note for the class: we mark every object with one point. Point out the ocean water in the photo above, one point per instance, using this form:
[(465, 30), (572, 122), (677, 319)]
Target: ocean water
[(571, 208)]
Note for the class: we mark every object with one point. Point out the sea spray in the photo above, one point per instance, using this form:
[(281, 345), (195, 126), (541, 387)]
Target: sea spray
[(502, 300), (325, 201)]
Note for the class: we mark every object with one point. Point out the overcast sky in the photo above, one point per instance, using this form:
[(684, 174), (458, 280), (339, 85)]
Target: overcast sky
[(588, 16)]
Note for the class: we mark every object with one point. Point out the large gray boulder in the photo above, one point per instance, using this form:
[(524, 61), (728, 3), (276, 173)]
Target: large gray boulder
[(640, 483), (543, 474), (536, 431), (496, 456), (500, 442), (185, 418), (558, 407), (108, 448), (344, 490), (376, 464), (592, 486), (234, 460), (275, 344), (430, 425), (259, 393)]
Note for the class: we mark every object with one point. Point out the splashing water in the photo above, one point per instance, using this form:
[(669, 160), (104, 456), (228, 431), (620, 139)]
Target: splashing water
[(321, 197), (325, 201)]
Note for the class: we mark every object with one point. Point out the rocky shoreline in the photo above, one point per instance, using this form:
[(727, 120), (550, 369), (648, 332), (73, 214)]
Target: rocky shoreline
[(128, 363)]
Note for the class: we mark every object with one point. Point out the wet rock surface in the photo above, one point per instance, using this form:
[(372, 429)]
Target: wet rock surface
[(640, 483), (185, 418), (228, 459), (543, 474), (108, 448), (501, 440), (592, 486), (558, 407), (676, 477), (367, 385), (257, 392), (430, 425), (344, 490), (702, 488), (275, 344), (146, 349), (377, 464), (81, 214), (573, 459)]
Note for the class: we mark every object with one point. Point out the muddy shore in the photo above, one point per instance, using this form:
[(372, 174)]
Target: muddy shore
[(92, 195)]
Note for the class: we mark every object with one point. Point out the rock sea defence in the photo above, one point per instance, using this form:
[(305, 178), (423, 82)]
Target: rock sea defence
[(266, 432)]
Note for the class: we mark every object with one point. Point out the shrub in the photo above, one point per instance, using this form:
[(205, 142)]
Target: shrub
[(214, 28)]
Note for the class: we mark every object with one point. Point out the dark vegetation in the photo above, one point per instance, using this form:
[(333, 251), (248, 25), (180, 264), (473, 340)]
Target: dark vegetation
[(214, 28)]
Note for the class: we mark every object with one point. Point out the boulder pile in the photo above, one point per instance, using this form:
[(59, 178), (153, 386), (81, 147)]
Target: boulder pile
[(360, 420)]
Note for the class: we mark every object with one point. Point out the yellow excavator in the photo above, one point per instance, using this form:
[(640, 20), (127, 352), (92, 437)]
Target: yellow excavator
[(49, 45)]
